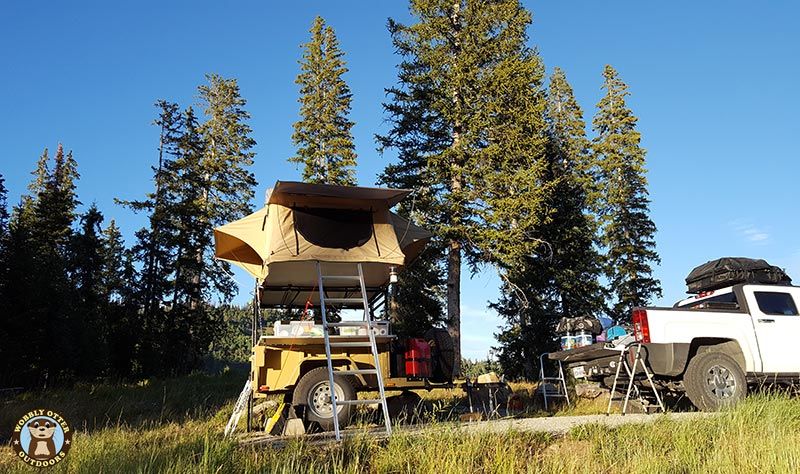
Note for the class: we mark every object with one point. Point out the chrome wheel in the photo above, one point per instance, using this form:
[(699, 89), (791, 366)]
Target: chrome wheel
[(319, 399), (720, 382)]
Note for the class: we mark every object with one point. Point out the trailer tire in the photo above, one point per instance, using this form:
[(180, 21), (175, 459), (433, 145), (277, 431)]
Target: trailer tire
[(714, 380), (312, 395), (442, 354)]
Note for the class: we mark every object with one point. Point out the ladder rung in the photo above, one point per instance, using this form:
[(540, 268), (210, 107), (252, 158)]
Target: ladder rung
[(351, 344), (357, 372), (357, 402), (358, 324), (341, 277), (344, 300)]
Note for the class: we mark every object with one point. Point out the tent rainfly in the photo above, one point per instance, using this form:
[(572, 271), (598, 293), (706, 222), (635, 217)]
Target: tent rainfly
[(307, 223)]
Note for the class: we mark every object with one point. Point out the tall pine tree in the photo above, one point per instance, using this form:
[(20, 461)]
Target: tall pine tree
[(42, 299), (467, 116), (562, 278), (228, 181), (627, 230), (154, 246), (91, 308), (323, 134), (572, 229)]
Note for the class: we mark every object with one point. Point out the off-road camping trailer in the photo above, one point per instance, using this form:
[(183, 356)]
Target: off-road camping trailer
[(316, 248)]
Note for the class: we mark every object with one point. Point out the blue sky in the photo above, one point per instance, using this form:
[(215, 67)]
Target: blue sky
[(714, 85)]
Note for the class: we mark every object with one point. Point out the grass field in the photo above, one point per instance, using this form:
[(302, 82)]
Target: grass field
[(175, 426)]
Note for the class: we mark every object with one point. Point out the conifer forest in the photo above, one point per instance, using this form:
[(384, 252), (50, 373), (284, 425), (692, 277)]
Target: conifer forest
[(509, 171)]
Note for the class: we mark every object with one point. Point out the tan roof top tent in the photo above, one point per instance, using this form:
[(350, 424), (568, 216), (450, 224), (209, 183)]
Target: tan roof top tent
[(307, 223)]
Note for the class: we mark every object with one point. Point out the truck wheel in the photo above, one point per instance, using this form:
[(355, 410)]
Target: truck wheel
[(714, 380), (313, 393), (442, 354)]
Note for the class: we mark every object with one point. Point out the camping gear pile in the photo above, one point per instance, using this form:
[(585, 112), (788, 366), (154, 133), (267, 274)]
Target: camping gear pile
[(578, 331), (727, 271)]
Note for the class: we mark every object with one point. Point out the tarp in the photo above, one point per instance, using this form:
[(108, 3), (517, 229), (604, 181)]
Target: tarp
[(307, 223)]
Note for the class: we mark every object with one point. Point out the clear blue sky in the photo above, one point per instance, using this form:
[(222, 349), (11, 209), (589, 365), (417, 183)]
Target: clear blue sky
[(713, 83)]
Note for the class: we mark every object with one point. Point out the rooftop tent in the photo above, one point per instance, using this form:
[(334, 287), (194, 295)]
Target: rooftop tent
[(305, 223)]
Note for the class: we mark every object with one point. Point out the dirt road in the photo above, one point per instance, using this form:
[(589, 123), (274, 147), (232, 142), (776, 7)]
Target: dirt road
[(555, 425)]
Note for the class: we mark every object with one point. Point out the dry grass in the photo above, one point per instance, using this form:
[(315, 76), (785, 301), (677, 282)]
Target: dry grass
[(760, 435)]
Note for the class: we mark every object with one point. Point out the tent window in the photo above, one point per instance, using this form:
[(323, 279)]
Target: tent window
[(334, 228)]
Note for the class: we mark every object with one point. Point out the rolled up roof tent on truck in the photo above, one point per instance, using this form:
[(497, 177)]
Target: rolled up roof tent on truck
[(305, 223)]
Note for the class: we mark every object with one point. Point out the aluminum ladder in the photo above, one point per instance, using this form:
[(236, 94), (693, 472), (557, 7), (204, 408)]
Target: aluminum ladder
[(560, 380), (631, 373), (369, 324)]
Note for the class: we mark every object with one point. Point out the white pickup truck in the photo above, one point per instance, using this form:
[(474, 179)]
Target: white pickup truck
[(717, 343), (720, 341)]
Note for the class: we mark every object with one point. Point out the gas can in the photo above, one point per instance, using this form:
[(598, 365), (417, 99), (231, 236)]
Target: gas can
[(418, 358)]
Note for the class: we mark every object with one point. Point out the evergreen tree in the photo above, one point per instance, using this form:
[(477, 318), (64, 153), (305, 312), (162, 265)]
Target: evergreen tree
[(323, 133), (155, 247), (3, 219), (563, 278), (154, 243), (468, 116), (572, 230), (42, 298), (89, 318), (5, 286), (627, 231), (185, 189), (227, 180), (123, 320)]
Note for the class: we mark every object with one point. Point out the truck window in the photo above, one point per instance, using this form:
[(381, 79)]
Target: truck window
[(727, 301), (770, 302)]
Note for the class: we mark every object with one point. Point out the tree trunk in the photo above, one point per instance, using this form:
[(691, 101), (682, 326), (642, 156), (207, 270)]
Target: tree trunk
[(454, 301)]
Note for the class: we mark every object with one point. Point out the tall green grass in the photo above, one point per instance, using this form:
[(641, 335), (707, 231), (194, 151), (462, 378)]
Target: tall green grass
[(760, 435)]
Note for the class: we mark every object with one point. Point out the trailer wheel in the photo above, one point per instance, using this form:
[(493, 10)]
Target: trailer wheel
[(714, 380), (442, 354), (313, 394)]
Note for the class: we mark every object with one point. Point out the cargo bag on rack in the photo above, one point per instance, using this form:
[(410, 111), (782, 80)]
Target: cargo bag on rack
[(733, 270)]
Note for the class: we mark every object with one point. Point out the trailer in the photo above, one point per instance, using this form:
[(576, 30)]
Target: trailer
[(326, 252)]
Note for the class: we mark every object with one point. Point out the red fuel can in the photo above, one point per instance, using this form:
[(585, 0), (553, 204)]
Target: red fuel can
[(418, 358)]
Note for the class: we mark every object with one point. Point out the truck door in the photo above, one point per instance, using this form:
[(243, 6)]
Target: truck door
[(777, 325)]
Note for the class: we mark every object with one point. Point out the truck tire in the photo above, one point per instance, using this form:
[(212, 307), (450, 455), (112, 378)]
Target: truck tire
[(713, 380), (442, 354), (312, 394)]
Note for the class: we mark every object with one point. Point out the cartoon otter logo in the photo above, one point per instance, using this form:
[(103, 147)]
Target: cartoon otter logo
[(41, 438), (41, 446)]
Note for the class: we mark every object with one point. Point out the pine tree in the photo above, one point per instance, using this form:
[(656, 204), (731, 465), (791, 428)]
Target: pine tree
[(323, 134), (42, 298), (154, 243), (87, 270), (572, 230), (468, 118), (627, 230), (123, 321), (185, 188), (3, 216), (227, 180), (562, 278), (5, 286)]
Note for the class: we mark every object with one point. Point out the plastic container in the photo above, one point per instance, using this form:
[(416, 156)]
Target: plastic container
[(583, 339), (418, 358), (567, 342)]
